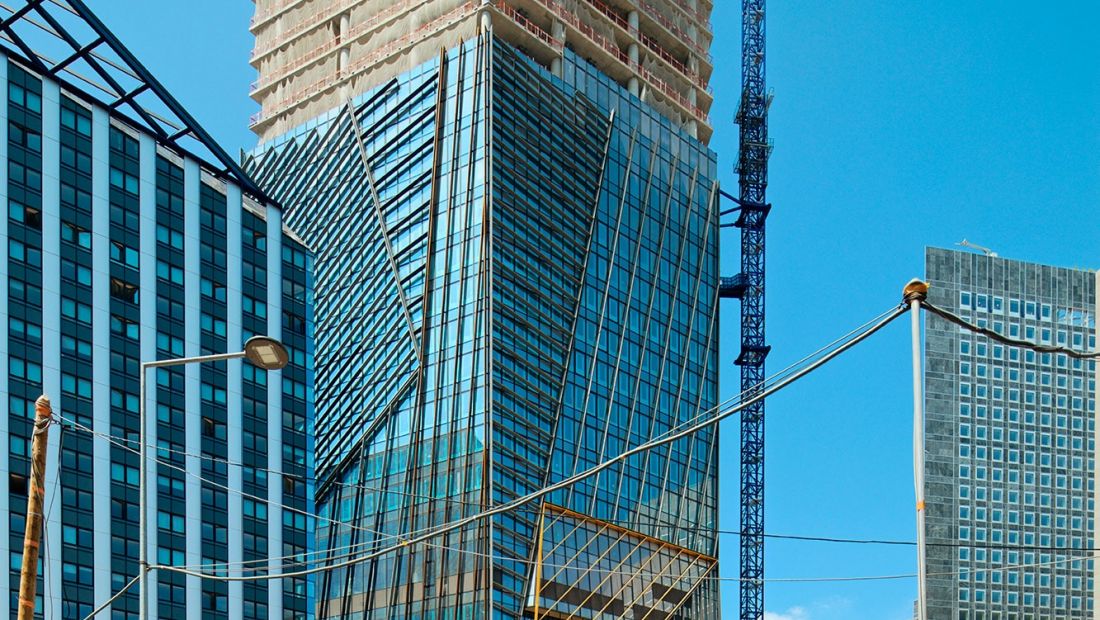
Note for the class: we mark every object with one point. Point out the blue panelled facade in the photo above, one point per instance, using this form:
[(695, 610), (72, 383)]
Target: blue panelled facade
[(121, 249), (516, 281)]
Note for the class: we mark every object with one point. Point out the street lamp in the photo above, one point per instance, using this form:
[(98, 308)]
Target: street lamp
[(264, 352)]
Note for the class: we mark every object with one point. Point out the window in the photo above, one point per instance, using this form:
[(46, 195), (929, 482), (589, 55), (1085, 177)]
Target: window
[(254, 307), (169, 237), (293, 323), (213, 428), (76, 386), (21, 329), (213, 394), (169, 272), (124, 254), (27, 216), (125, 327), (76, 273), (172, 344), (23, 369), (17, 484), (23, 253), (124, 291), (213, 324), (212, 289), (255, 238), (124, 181)]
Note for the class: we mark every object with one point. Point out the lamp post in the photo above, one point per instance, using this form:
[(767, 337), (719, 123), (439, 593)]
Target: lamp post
[(264, 352)]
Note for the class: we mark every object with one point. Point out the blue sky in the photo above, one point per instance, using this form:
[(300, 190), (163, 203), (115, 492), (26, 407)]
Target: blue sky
[(897, 125)]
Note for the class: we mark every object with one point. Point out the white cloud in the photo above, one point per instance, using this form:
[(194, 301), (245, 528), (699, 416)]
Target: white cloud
[(794, 613)]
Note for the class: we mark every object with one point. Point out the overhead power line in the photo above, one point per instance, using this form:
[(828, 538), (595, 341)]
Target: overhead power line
[(129, 444), (842, 579), (571, 480), (134, 445), (789, 375), (999, 337), (224, 487), (827, 579), (113, 598)]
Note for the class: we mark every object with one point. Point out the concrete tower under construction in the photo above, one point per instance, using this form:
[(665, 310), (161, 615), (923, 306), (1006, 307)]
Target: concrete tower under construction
[(312, 55)]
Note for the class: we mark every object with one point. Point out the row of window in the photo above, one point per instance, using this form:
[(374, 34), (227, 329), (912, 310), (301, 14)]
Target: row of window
[(1076, 419), (1048, 360), (1030, 397), (1026, 599), (1026, 309)]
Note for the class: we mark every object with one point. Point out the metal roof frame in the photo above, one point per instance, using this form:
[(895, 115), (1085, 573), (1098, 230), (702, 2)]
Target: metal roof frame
[(94, 51)]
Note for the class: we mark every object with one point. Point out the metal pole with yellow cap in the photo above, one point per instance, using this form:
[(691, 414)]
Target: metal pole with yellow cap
[(914, 293), (36, 493)]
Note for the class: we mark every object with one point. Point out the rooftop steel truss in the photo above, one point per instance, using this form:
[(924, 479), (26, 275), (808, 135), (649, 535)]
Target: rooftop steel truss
[(89, 53)]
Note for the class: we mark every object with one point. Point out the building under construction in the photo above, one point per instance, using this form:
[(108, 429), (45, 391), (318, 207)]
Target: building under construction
[(311, 55), (516, 221)]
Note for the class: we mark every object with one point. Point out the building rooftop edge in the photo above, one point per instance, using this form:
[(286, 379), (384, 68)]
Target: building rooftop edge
[(248, 200), (980, 254)]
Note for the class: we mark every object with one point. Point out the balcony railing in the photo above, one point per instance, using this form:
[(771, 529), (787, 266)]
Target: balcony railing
[(440, 23), (323, 50), (613, 49), (649, 42), (530, 26)]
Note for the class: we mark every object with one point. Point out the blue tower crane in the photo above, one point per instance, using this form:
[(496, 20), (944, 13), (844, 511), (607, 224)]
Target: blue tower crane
[(748, 286)]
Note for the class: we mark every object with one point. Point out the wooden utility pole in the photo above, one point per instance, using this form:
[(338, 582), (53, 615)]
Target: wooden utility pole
[(36, 493)]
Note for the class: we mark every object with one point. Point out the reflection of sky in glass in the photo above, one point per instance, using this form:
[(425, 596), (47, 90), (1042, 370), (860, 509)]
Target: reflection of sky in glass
[(595, 337)]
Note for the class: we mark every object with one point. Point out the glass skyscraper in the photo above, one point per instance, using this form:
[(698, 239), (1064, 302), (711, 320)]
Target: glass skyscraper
[(515, 226), (123, 247), (1010, 438)]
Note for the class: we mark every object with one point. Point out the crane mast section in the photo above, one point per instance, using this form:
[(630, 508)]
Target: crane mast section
[(752, 167)]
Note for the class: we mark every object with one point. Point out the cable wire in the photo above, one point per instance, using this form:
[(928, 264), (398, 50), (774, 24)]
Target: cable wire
[(909, 543), (113, 598), (999, 337), (122, 442), (571, 480), (219, 485), (379, 536), (135, 445), (672, 435), (650, 574), (789, 369)]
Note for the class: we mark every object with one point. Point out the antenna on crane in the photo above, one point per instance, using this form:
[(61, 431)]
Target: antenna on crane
[(984, 250)]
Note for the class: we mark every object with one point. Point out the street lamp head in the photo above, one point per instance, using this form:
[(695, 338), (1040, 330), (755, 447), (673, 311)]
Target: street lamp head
[(265, 352)]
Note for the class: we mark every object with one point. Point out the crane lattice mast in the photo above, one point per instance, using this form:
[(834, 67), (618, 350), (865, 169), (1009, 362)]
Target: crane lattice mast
[(752, 169)]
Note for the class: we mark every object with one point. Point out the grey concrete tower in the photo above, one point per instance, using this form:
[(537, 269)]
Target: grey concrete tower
[(1010, 436)]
